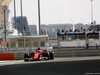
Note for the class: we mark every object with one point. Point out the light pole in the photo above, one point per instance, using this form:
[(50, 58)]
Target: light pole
[(23, 32), (39, 17), (86, 36), (5, 22), (15, 14), (21, 17), (91, 11)]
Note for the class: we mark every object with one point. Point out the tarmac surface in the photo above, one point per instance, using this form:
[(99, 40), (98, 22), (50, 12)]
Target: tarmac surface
[(59, 66)]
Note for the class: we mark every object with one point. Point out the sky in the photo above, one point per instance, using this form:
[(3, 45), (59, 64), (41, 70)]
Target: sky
[(57, 11)]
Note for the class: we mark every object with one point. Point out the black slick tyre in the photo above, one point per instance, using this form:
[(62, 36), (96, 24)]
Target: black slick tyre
[(47, 55), (51, 55), (26, 56)]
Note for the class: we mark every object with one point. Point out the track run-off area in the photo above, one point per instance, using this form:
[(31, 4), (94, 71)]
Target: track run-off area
[(58, 66), (14, 62)]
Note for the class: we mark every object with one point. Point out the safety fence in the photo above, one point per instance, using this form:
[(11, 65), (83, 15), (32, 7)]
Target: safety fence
[(76, 41)]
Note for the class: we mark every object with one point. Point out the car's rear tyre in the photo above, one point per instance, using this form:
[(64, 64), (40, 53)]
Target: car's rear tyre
[(51, 55), (26, 56), (47, 55)]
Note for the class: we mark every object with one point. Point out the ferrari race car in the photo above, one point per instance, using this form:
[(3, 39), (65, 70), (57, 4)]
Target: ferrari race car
[(38, 55)]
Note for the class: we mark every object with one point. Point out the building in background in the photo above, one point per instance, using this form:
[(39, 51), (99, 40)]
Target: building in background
[(81, 27), (18, 25), (52, 29), (95, 27), (2, 17), (33, 29), (44, 29)]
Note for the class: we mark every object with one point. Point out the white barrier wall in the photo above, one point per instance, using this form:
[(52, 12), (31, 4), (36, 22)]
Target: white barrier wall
[(76, 43)]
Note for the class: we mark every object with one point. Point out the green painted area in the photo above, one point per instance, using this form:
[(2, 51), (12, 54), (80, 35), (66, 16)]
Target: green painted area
[(3, 46)]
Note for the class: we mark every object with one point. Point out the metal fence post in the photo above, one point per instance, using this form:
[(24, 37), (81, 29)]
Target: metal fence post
[(87, 45), (58, 42)]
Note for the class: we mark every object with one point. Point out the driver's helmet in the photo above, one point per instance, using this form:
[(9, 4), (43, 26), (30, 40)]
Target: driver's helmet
[(39, 49)]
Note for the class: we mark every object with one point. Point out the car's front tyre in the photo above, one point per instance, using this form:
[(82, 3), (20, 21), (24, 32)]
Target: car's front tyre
[(26, 57)]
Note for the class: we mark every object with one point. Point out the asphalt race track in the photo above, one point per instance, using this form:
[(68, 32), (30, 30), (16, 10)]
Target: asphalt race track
[(54, 67)]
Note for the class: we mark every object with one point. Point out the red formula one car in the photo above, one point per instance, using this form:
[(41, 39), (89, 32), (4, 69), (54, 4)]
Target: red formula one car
[(38, 55)]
